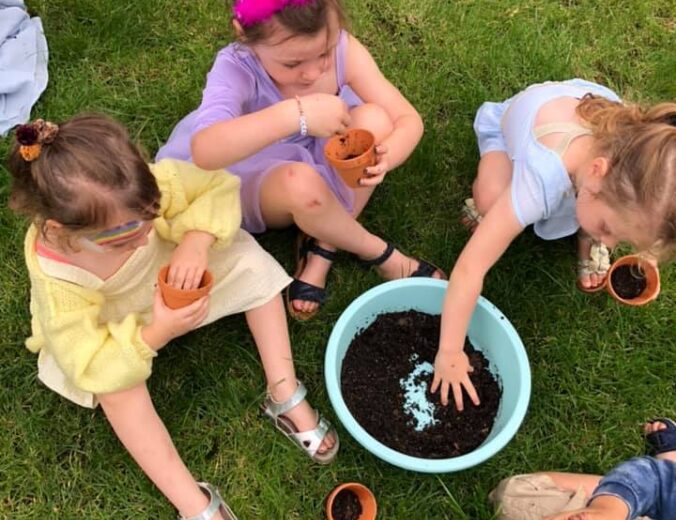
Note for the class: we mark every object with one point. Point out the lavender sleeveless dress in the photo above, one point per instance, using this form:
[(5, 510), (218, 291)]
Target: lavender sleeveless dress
[(238, 85)]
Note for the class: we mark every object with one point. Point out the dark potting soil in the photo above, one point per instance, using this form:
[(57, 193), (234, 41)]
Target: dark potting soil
[(628, 281), (346, 506), (385, 354)]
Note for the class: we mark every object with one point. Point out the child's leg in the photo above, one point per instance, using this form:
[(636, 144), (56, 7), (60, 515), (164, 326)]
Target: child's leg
[(269, 329), (133, 417), (494, 176), (297, 193)]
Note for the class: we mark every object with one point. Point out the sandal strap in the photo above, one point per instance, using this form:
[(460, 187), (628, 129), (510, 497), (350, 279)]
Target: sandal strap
[(389, 249), (424, 270), (311, 440), (275, 409), (309, 245), (300, 290), (215, 504), (664, 440)]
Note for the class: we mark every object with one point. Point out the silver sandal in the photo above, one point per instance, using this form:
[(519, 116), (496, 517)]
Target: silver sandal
[(216, 504), (308, 441)]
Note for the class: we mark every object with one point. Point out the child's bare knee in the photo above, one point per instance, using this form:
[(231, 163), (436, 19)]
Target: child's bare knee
[(306, 189), (373, 118)]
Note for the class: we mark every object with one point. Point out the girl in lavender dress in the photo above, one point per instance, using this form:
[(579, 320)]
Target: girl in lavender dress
[(294, 78)]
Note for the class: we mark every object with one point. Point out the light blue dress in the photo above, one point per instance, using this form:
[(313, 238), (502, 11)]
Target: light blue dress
[(542, 192)]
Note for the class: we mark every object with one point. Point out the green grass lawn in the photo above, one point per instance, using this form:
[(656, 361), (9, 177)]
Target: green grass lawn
[(599, 369)]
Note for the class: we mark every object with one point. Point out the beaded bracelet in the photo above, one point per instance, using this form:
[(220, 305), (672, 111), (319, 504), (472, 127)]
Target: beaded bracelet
[(302, 119)]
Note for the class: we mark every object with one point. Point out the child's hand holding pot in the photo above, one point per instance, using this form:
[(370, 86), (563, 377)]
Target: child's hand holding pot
[(168, 324), (189, 260), (376, 174)]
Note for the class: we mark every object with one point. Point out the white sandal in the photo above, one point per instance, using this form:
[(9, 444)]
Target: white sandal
[(598, 263), (470, 216), (309, 441), (216, 504)]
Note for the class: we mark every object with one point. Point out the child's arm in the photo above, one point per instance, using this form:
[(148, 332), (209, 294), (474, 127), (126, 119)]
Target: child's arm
[(197, 200), (226, 135), (364, 76), (230, 141), (95, 357), (490, 240), (198, 209), (601, 508)]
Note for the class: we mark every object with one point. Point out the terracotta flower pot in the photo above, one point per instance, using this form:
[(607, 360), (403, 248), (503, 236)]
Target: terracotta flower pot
[(640, 267), (369, 507), (177, 298), (351, 154)]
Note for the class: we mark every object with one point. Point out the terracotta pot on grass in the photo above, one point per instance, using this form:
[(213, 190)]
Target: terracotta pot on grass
[(350, 154), (632, 275), (366, 499), (177, 298)]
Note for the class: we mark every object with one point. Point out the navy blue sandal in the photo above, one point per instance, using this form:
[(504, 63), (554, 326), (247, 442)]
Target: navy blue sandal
[(300, 290), (662, 441), (424, 270)]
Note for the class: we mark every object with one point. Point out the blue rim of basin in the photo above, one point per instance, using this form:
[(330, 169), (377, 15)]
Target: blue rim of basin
[(473, 458)]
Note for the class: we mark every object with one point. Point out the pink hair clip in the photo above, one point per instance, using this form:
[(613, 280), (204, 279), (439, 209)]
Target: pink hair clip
[(251, 12)]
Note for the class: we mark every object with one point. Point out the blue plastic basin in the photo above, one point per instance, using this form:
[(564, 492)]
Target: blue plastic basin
[(489, 331)]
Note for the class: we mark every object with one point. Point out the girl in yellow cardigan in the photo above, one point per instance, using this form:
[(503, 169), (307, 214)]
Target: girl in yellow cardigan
[(103, 223)]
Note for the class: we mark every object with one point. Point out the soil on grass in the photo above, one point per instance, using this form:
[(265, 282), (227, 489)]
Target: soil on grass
[(628, 281), (346, 506), (384, 355)]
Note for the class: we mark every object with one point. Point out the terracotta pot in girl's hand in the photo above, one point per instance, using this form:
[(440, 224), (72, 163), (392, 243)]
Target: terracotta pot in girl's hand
[(633, 280), (176, 298), (350, 154), (340, 502)]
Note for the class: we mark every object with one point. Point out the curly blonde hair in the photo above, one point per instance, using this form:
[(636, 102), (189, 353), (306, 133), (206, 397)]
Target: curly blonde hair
[(640, 145)]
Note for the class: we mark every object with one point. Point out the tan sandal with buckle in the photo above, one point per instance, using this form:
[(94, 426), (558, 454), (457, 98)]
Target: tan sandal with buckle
[(216, 504), (309, 441)]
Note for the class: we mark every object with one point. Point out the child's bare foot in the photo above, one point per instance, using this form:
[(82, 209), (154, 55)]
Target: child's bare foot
[(593, 263), (602, 508), (663, 444)]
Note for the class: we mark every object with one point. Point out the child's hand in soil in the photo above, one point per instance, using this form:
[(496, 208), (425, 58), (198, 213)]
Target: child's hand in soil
[(168, 324), (376, 174), (189, 260), (453, 368)]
